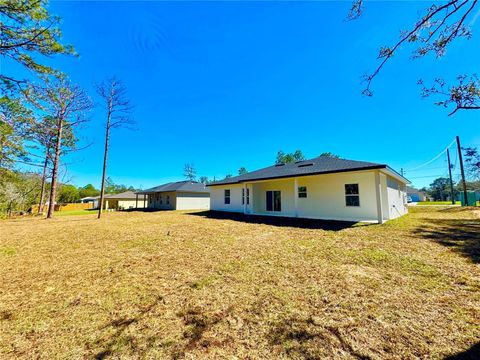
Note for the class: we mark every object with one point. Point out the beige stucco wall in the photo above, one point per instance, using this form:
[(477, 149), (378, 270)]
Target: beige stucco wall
[(124, 204), (129, 204), (287, 196), (325, 197), (397, 198), (193, 201), (217, 198), (159, 201)]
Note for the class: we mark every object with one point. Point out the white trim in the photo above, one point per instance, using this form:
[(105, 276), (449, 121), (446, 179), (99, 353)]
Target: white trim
[(244, 198), (378, 193), (395, 175), (295, 192)]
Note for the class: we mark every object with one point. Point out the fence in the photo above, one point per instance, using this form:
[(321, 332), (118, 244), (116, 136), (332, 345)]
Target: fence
[(66, 207)]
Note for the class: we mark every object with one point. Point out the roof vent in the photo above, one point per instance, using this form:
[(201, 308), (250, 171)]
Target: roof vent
[(303, 165), (280, 164)]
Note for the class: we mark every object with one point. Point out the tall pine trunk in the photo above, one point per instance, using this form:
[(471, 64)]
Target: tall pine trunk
[(44, 180), (56, 160), (105, 158)]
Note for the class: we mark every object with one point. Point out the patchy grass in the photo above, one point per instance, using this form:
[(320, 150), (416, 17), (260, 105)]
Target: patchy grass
[(76, 212), (179, 285), (7, 251), (437, 203)]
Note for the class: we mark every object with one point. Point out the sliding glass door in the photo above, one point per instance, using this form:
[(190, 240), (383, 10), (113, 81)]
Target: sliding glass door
[(274, 201)]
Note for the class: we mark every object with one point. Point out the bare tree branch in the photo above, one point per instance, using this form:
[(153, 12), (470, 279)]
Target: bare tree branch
[(119, 114), (434, 31)]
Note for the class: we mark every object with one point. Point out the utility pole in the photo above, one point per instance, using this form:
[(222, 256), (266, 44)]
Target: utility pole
[(402, 172), (462, 171), (450, 174)]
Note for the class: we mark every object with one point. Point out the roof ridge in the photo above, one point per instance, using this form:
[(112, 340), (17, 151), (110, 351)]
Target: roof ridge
[(317, 165)]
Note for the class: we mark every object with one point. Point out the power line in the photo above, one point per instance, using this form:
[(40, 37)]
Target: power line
[(432, 160), (428, 176), (433, 168)]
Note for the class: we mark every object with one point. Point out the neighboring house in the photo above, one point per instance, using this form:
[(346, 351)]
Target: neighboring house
[(123, 201), (320, 188), (416, 195), (91, 199), (181, 195)]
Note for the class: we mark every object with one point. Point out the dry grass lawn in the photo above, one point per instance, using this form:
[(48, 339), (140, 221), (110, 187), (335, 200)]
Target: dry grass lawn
[(179, 285)]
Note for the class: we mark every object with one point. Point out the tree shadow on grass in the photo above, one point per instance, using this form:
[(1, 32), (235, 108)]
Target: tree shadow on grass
[(303, 338), (196, 323), (461, 235), (113, 332), (331, 225), (473, 353)]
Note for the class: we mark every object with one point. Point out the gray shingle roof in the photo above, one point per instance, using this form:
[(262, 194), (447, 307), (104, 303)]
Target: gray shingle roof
[(412, 190), (319, 165), (124, 195), (181, 186)]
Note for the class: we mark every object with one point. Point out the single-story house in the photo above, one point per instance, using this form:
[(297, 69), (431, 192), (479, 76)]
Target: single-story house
[(181, 195), (416, 195), (123, 201), (91, 199), (321, 188)]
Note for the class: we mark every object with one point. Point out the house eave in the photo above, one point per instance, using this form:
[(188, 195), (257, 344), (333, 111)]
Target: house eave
[(396, 175), (375, 167), (172, 191)]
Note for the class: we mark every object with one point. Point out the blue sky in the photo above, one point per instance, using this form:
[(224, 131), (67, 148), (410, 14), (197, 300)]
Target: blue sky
[(228, 84)]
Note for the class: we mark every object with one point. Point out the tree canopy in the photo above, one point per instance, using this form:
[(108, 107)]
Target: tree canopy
[(472, 162), (242, 171), (329, 154), (15, 127), (68, 194), (112, 188), (28, 30), (440, 189), (88, 191), (286, 158), (436, 28)]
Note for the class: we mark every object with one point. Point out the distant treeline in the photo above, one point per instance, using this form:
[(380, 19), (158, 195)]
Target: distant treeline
[(20, 190)]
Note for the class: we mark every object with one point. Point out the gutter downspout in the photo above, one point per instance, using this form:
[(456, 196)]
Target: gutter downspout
[(378, 193), (244, 198)]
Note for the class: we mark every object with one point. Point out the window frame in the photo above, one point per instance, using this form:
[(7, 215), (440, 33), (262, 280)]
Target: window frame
[(225, 196), (243, 196), (301, 193), (354, 195), (270, 203)]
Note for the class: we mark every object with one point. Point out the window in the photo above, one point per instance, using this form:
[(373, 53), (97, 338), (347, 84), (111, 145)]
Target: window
[(161, 199), (227, 196), (302, 191), (274, 201), (243, 196), (352, 197), (168, 200), (248, 196)]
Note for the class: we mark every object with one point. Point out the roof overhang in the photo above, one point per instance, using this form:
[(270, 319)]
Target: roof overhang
[(146, 192), (376, 167), (388, 170)]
